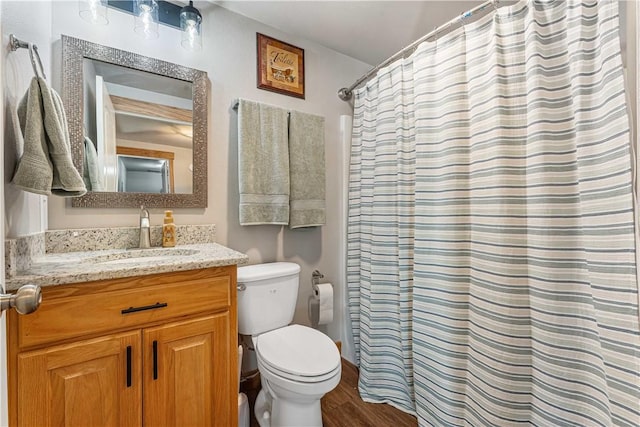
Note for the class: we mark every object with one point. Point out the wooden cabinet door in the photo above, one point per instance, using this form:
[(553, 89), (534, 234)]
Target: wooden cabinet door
[(86, 383), (189, 374)]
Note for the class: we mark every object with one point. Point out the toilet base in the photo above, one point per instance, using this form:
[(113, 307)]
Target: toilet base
[(262, 410), (271, 412)]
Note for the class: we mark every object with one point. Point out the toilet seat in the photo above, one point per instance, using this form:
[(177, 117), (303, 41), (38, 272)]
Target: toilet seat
[(298, 353), (298, 378)]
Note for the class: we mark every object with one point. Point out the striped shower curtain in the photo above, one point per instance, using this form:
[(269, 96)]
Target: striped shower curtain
[(491, 258)]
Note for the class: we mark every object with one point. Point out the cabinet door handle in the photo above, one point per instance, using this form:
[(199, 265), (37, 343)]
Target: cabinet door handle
[(155, 360), (143, 308), (128, 366)]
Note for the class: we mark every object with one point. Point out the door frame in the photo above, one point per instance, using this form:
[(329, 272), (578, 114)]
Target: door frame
[(4, 408)]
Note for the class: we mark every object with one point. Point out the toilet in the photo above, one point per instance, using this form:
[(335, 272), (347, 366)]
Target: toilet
[(298, 365)]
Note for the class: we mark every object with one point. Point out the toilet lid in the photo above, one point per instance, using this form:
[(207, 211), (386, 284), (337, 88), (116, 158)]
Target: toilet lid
[(298, 350)]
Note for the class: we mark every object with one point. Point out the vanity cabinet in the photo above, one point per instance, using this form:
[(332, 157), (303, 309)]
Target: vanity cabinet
[(83, 383), (192, 371), (149, 350)]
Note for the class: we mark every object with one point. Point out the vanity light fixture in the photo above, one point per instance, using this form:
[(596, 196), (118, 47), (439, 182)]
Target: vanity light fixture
[(94, 11), (148, 14), (145, 14), (191, 26)]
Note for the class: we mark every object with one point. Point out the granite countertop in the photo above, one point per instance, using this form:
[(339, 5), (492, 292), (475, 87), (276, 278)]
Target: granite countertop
[(75, 267)]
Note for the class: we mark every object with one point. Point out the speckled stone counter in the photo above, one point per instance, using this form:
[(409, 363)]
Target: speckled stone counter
[(21, 251), (74, 267), (60, 257)]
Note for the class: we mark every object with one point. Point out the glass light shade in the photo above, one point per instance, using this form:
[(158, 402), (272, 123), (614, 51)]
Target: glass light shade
[(190, 24), (93, 11), (145, 13)]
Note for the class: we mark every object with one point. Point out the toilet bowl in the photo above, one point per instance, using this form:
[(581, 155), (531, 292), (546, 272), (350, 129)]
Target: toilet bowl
[(298, 365)]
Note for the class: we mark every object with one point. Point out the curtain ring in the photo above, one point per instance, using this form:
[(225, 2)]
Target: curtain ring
[(435, 37), (464, 17)]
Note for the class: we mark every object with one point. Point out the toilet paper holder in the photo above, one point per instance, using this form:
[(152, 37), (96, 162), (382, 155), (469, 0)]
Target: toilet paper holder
[(320, 302), (315, 277)]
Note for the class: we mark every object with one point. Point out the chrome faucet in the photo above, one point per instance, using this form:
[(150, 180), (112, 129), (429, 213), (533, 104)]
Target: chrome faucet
[(145, 230)]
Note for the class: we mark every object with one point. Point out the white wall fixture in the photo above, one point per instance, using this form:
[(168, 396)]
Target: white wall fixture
[(190, 24), (145, 14), (94, 11)]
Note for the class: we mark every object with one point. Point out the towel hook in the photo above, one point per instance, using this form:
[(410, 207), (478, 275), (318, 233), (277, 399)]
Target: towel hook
[(15, 44)]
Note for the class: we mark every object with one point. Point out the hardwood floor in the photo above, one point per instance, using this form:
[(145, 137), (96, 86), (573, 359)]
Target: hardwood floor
[(342, 407)]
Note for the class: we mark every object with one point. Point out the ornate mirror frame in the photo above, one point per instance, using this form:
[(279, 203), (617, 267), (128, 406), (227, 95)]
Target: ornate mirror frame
[(73, 53)]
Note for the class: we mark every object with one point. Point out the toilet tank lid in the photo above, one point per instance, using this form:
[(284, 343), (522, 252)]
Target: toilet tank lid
[(252, 273)]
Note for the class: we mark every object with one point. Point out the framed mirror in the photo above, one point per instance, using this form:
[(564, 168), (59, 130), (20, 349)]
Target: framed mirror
[(138, 127)]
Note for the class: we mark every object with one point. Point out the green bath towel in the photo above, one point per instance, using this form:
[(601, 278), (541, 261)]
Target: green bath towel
[(263, 164), (306, 162)]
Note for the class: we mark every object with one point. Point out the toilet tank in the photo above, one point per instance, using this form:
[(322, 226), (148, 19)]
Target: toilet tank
[(267, 295)]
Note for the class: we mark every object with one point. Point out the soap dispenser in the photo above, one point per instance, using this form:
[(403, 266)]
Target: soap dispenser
[(168, 230)]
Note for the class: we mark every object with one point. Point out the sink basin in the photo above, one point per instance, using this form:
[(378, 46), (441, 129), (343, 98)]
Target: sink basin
[(142, 255)]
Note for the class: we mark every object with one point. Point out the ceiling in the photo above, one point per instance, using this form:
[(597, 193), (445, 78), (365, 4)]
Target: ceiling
[(370, 31)]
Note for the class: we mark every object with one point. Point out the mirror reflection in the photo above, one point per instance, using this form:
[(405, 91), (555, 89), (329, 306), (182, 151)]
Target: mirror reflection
[(144, 175), (138, 129)]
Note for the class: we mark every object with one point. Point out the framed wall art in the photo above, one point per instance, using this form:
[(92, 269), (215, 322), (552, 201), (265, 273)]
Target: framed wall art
[(280, 67)]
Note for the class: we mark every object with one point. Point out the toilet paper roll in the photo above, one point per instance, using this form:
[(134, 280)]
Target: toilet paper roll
[(323, 292)]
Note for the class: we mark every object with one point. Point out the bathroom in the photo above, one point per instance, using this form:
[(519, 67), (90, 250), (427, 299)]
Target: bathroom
[(228, 57)]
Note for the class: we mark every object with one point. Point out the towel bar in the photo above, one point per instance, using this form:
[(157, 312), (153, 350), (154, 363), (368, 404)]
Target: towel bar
[(236, 102)]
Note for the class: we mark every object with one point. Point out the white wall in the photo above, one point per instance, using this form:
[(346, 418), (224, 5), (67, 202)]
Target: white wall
[(229, 58)]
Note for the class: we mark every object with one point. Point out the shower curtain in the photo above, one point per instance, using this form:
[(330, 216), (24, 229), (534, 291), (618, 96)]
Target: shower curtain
[(491, 260)]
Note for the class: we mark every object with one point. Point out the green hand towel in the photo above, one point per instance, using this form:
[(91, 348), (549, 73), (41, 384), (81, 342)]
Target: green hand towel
[(45, 166), (263, 164), (306, 162), (67, 181), (34, 172)]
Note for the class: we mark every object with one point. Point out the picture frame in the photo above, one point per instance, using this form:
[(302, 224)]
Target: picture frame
[(280, 67)]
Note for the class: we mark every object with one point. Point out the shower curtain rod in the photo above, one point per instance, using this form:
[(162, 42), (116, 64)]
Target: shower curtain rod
[(346, 93)]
